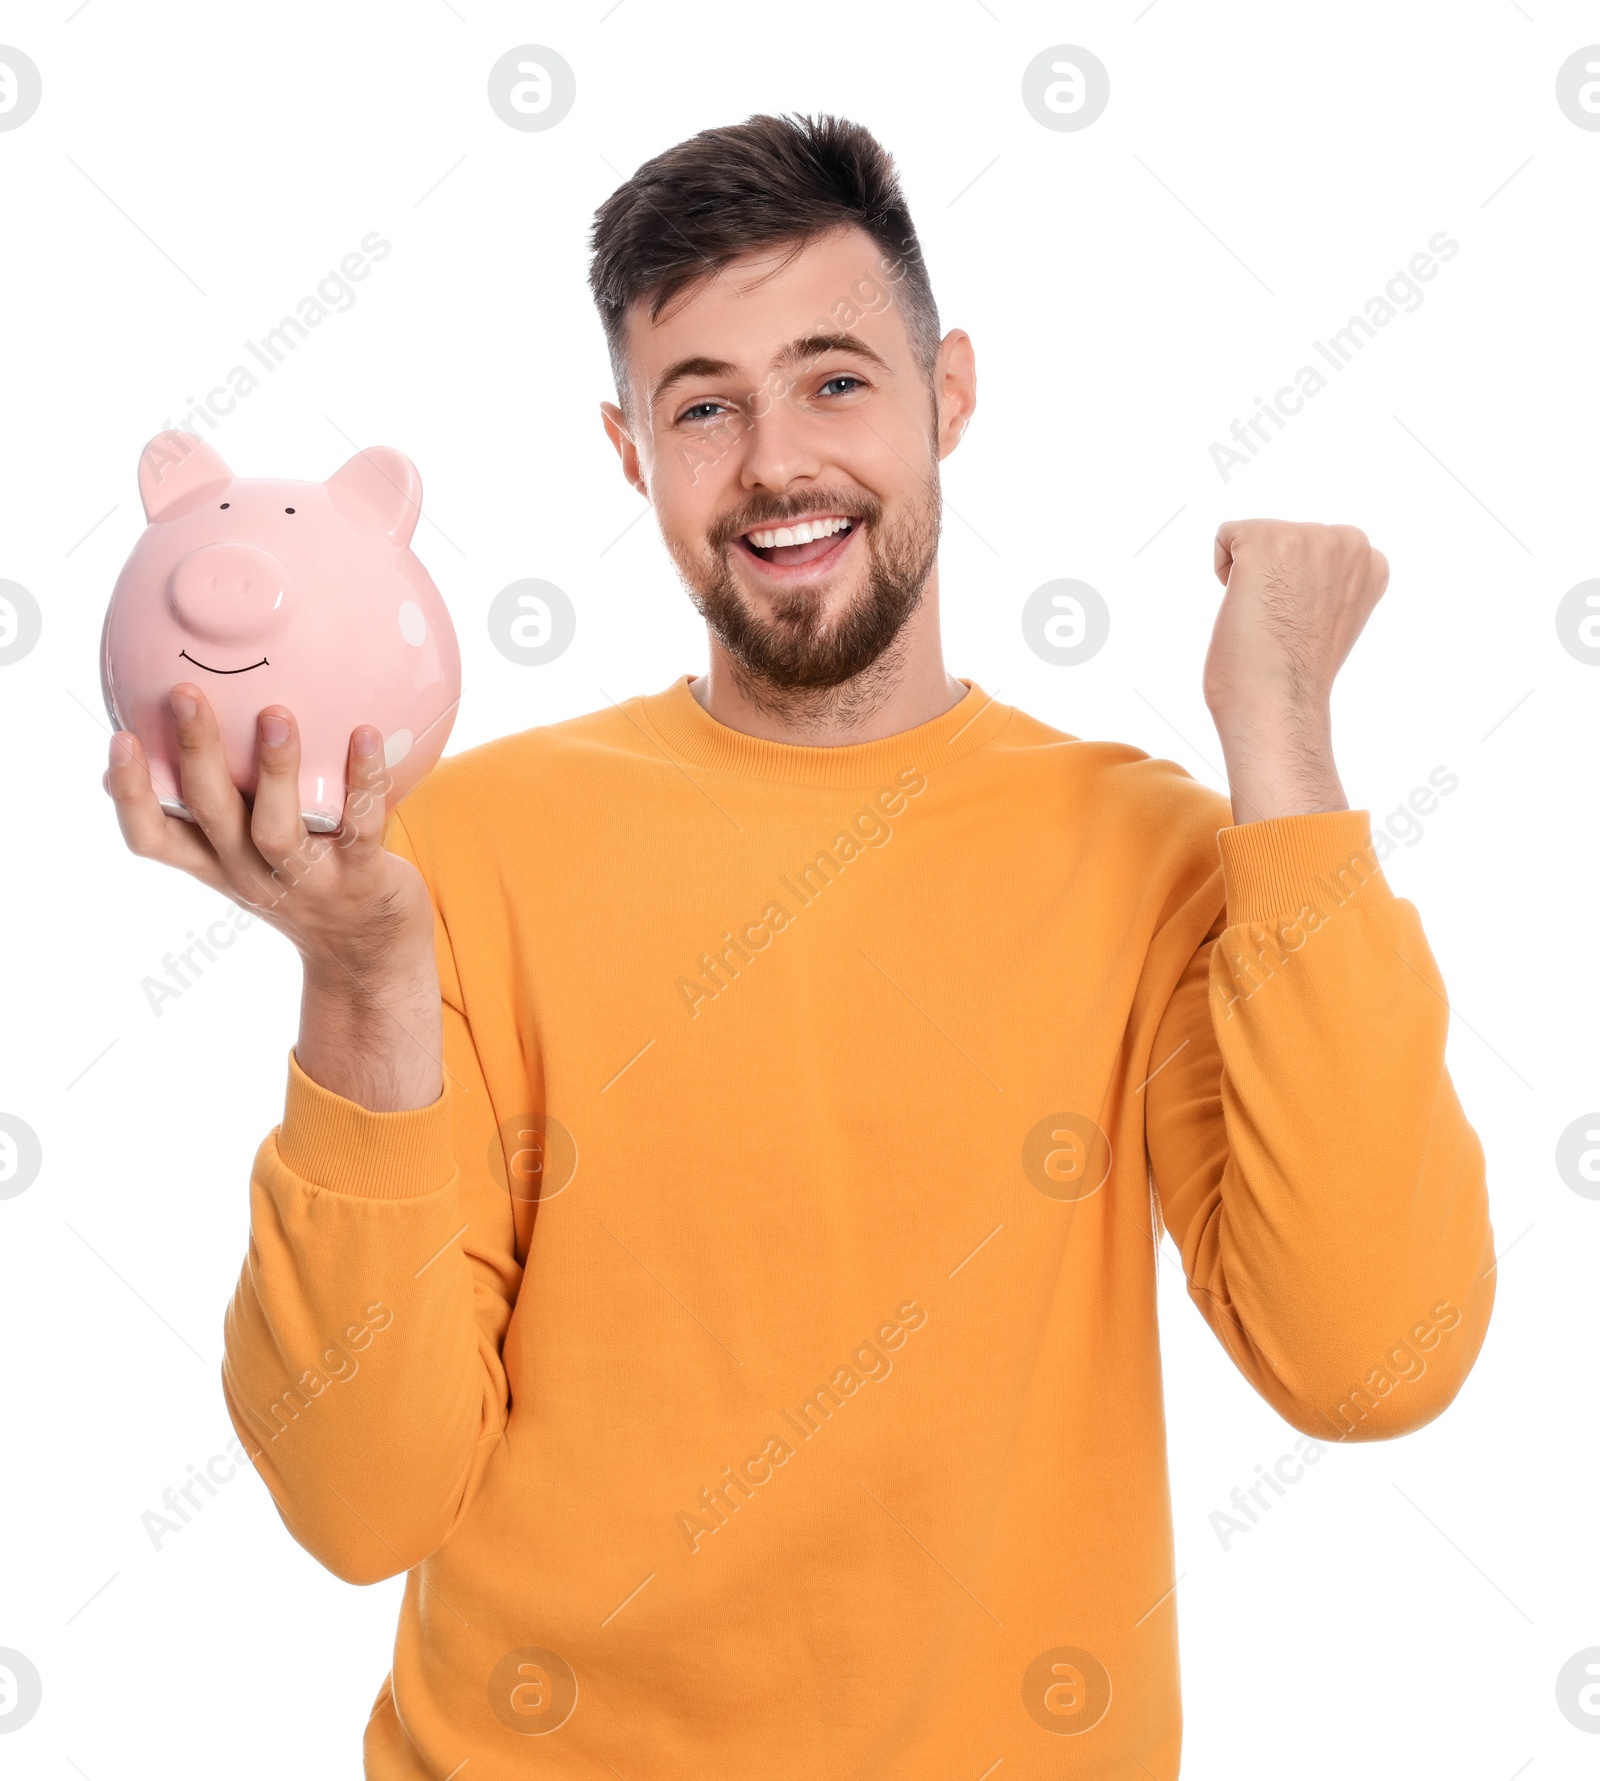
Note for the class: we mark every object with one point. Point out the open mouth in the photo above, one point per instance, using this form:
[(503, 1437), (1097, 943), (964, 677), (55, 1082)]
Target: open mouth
[(184, 655), (813, 544)]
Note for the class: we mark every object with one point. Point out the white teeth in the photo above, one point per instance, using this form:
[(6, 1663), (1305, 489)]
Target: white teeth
[(807, 532)]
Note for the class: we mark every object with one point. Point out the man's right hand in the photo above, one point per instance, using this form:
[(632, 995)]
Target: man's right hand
[(359, 916)]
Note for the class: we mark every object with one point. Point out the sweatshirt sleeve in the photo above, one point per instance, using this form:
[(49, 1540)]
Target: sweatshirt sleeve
[(1309, 1155), (362, 1349)]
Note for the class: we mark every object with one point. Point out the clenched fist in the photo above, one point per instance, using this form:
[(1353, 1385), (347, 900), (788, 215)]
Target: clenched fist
[(1297, 598)]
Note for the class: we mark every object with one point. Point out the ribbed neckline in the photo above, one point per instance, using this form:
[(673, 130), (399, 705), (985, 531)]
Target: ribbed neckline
[(683, 727)]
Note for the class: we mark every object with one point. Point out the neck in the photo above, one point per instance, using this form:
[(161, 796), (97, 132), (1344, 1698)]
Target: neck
[(907, 685)]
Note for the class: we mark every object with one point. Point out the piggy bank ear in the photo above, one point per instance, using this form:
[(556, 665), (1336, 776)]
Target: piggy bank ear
[(379, 487), (178, 471)]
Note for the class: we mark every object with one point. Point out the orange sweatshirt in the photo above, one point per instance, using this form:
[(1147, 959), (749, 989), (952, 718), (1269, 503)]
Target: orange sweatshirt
[(752, 1357)]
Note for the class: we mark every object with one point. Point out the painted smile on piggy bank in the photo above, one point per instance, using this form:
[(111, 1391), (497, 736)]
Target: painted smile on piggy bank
[(185, 656), (302, 594)]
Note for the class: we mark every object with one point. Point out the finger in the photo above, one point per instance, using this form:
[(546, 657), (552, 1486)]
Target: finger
[(209, 794), (275, 823), (368, 781), (146, 828), (1379, 575), (1222, 550)]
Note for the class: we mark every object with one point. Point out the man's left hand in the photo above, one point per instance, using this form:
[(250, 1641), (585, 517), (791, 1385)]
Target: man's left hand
[(1297, 598)]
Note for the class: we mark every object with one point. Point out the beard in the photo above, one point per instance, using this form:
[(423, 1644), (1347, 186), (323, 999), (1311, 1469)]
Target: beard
[(800, 658)]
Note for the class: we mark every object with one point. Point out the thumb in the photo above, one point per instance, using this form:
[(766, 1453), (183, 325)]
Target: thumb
[(1222, 551)]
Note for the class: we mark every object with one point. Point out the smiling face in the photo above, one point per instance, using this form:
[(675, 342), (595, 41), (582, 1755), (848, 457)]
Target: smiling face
[(782, 426)]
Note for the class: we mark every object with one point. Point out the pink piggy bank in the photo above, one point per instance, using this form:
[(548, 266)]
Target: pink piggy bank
[(303, 594)]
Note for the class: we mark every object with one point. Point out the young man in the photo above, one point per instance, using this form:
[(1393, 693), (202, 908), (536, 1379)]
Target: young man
[(710, 1243)]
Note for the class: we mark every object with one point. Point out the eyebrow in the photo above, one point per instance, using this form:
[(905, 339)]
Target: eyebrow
[(683, 369), (816, 346), (797, 352)]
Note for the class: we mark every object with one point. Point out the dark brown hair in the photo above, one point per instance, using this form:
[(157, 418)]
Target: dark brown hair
[(768, 182)]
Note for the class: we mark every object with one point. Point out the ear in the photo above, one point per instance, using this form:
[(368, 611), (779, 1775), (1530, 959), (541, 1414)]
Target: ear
[(620, 434), (177, 472), (955, 378), (381, 487)]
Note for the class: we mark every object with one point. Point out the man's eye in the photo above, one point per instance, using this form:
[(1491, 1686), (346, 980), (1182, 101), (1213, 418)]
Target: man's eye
[(844, 377), (700, 411)]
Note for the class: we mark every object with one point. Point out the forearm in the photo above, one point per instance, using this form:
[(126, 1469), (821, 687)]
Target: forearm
[(374, 1036), (1279, 757)]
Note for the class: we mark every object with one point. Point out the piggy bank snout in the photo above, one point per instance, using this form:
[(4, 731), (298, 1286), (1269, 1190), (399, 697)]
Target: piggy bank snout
[(225, 591)]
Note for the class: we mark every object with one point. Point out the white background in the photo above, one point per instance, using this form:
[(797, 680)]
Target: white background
[(1261, 170)]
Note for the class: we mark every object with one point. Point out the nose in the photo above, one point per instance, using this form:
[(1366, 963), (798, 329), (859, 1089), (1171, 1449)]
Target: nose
[(779, 446), (228, 591)]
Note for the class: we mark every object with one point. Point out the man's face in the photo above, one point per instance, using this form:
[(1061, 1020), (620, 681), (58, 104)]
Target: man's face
[(789, 441)]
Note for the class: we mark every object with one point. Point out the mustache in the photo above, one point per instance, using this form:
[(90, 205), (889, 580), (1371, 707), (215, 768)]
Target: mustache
[(777, 510)]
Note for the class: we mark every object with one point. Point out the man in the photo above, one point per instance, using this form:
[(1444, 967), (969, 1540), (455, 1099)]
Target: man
[(710, 1243)]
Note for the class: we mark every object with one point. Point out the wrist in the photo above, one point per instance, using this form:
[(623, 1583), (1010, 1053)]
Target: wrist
[(1272, 717), (377, 1039), (394, 964), (1280, 761)]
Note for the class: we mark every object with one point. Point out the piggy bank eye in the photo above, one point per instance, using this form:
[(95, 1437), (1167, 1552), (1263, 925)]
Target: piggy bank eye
[(288, 510), (227, 503)]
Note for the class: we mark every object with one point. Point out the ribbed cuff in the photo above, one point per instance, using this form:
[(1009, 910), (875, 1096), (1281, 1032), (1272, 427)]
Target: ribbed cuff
[(1271, 870), (347, 1149)]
